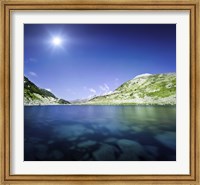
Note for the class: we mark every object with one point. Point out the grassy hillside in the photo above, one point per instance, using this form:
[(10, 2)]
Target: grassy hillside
[(34, 95), (145, 89)]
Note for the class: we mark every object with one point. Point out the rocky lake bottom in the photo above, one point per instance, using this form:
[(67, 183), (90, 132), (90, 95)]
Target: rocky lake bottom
[(99, 133)]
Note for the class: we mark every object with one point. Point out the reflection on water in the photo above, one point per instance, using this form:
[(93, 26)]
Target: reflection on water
[(100, 133)]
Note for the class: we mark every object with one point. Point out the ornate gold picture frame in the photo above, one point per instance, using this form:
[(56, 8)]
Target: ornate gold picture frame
[(9, 6)]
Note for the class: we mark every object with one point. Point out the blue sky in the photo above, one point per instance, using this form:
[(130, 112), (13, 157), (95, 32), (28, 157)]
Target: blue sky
[(76, 61)]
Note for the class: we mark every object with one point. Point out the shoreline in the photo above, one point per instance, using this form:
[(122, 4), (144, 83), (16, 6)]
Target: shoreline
[(103, 105)]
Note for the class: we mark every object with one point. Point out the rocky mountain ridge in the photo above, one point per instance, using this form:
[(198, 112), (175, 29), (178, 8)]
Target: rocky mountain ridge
[(34, 95), (145, 89)]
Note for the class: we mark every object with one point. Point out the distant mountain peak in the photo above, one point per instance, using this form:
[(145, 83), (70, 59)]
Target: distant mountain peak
[(142, 75)]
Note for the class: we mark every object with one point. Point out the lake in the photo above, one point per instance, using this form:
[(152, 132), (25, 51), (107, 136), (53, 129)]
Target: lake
[(99, 133)]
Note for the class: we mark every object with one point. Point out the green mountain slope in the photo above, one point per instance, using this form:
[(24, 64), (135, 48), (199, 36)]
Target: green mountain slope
[(34, 95), (144, 89)]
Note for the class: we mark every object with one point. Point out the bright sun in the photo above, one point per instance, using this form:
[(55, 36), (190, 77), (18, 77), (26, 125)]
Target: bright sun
[(57, 41)]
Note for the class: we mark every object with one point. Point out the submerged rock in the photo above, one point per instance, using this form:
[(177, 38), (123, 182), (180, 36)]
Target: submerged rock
[(72, 138), (41, 151), (41, 147), (86, 157), (34, 140), (82, 138), (168, 139), (126, 144), (72, 132), (137, 128), (152, 150), (105, 153), (56, 154), (131, 150), (72, 148), (50, 142), (110, 140), (41, 155), (86, 144)]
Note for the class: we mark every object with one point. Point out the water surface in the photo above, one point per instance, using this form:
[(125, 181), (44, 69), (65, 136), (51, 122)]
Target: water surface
[(99, 133)]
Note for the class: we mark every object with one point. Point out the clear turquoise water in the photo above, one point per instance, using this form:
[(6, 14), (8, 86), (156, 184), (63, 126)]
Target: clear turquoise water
[(99, 133)]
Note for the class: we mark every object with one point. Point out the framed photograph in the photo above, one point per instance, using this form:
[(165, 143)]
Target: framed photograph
[(99, 92)]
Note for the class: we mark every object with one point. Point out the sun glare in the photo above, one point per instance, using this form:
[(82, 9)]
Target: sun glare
[(57, 41)]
